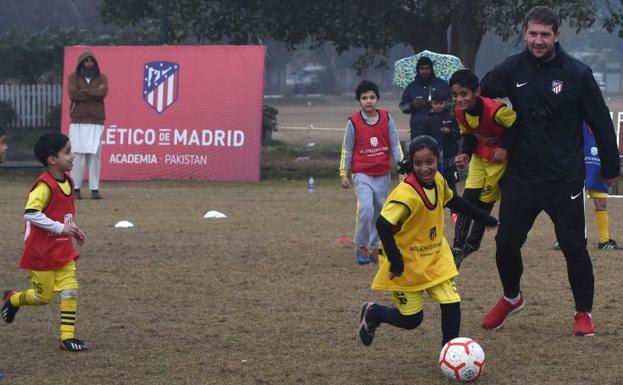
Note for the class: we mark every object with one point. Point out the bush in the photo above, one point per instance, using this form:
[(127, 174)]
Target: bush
[(269, 123), (7, 113)]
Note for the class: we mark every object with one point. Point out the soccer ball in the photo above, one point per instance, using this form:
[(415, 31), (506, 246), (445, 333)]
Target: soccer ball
[(462, 359)]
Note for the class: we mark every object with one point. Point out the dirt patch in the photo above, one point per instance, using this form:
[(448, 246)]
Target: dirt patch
[(266, 296)]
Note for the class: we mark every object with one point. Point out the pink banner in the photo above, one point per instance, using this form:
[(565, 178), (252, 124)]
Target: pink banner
[(183, 112)]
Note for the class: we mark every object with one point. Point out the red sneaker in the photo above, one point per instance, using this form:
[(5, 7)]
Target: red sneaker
[(495, 318), (583, 325)]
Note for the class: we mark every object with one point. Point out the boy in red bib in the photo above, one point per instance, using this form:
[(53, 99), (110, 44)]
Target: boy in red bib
[(370, 141), (49, 253), (486, 128)]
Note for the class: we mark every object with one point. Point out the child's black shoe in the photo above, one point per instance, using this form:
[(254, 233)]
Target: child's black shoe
[(8, 310), (73, 345)]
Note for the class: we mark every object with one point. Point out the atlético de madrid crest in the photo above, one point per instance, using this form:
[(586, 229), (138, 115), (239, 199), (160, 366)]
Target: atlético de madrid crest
[(557, 86), (160, 82), (432, 234)]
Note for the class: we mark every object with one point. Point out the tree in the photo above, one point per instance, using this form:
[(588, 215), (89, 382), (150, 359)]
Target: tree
[(38, 58), (614, 18), (372, 25)]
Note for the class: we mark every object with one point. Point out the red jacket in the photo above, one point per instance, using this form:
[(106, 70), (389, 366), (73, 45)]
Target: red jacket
[(44, 251), (488, 132), (371, 155)]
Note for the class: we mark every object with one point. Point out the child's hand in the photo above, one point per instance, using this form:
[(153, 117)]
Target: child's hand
[(345, 182), (392, 275), (74, 232), (499, 155), (461, 160), (396, 268)]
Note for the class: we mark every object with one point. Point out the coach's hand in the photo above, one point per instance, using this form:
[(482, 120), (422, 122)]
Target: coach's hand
[(345, 182)]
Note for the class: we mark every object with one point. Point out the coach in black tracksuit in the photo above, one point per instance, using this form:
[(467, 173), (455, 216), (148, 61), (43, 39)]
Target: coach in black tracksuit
[(552, 93)]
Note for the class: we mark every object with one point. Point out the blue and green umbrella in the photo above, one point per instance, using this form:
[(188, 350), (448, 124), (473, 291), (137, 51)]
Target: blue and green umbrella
[(444, 66)]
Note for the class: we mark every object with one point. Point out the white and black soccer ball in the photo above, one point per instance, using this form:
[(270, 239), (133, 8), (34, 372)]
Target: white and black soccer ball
[(462, 359)]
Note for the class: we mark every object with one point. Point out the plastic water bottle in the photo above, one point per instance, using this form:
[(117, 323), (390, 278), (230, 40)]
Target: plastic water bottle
[(311, 186)]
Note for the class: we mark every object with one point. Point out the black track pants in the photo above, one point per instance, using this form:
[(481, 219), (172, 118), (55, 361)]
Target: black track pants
[(564, 203)]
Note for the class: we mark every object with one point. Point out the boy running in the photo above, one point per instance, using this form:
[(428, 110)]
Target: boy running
[(485, 124), (49, 253)]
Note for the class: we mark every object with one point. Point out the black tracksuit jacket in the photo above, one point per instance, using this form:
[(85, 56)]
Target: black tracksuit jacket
[(551, 100)]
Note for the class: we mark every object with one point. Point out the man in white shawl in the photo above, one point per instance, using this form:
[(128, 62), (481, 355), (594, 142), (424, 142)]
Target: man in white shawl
[(87, 89)]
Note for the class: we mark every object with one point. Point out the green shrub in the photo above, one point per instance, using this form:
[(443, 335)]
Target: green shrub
[(269, 123)]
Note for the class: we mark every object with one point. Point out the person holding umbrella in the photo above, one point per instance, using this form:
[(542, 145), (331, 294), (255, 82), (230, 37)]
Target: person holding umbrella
[(416, 98)]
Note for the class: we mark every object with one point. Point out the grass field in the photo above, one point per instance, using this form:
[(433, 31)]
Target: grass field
[(266, 296)]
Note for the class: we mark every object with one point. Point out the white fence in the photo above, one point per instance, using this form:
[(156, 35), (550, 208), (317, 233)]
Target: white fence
[(32, 103)]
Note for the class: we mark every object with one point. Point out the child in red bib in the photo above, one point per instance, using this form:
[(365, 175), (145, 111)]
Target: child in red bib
[(486, 128), (370, 142), (49, 252)]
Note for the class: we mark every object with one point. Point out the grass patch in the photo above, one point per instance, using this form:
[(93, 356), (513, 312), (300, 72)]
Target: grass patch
[(282, 160)]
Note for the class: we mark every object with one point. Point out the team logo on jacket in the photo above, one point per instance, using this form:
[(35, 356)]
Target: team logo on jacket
[(432, 234), (594, 151), (160, 84), (374, 141), (557, 86)]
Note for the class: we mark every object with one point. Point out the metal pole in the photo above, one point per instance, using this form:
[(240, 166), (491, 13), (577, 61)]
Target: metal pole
[(165, 21)]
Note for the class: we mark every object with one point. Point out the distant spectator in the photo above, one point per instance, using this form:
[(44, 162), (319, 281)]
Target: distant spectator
[(3, 145), (87, 89), (441, 125), (417, 97)]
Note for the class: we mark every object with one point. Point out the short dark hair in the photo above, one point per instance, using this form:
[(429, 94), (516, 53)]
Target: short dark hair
[(2, 132), (465, 78), (366, 86), (543, 15), (49, 145), (440, 95)]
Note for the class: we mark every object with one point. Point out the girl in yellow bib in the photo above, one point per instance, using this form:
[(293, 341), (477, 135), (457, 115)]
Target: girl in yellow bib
[(415, 255)]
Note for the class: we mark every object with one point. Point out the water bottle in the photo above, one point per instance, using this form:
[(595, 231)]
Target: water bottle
[(311, 186)]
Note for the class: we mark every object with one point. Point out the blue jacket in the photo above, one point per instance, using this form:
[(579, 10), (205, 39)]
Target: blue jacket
[(424, 88)]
